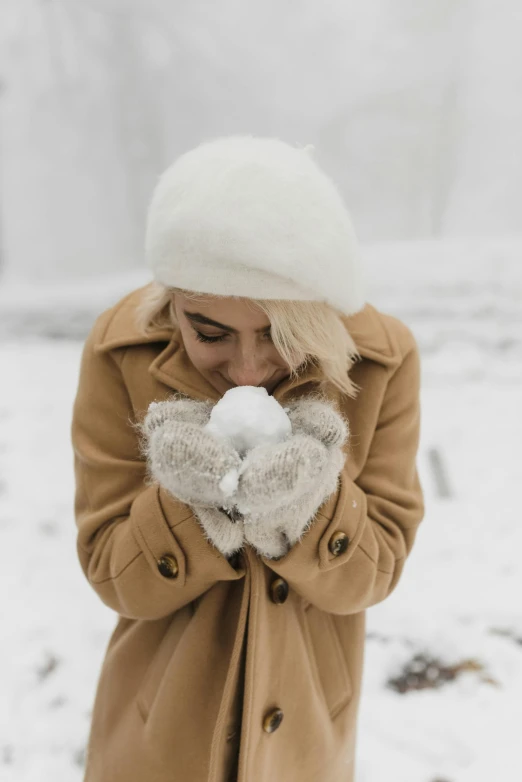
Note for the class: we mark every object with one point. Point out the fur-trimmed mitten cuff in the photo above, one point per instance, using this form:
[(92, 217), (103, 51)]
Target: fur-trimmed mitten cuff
[(226, 534)]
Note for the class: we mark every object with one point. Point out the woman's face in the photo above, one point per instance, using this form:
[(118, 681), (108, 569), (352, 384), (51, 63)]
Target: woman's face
[(239, 350)]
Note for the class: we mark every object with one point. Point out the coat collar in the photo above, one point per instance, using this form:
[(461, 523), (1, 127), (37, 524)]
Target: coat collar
[(173, 367)]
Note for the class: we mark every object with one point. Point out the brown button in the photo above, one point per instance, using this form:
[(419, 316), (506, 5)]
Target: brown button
[(272, 720), (338, 543), (168, 566), (278, 590)]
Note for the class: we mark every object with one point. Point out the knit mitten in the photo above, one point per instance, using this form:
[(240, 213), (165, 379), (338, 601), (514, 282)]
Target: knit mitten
[(191, 464), (281, 486)]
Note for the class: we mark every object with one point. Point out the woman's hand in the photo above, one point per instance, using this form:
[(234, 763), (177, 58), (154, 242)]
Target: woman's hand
[(191, 464), (282, 486)]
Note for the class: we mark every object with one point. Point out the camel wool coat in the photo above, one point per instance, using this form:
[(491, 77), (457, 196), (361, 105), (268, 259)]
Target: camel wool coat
[(240, 669)]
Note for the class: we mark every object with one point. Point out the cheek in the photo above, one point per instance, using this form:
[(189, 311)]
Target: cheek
[(204, 357), (201, 355), (276, 359)]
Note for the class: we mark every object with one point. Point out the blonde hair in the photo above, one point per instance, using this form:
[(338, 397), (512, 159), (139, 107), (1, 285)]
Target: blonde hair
[(302, 331)]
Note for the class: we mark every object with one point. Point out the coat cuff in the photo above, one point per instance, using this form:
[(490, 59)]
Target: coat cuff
[(324, 545)]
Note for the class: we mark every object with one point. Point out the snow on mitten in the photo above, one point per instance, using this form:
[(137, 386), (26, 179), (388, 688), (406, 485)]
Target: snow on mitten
[(282, 486), (191, 464)]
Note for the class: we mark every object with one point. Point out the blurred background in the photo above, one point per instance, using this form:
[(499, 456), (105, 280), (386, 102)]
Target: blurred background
[(415, 110)]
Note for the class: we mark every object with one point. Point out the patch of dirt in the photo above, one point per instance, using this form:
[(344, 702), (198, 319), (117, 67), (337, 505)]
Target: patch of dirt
[(423, 672)]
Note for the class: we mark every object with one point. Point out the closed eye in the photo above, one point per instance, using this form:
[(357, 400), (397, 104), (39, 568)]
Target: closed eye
[(204, 338)]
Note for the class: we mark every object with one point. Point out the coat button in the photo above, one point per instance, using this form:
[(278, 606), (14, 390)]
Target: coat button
[(168, 566), (278, 590), (338, 543), (272, 720)]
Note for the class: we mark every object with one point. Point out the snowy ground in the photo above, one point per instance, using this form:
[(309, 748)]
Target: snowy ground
[(458, 602)]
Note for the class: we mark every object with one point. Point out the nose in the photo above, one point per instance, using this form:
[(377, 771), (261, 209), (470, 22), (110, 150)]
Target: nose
[(249, 369)]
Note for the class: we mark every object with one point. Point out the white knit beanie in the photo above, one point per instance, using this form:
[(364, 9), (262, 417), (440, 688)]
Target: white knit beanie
[(253, 217)]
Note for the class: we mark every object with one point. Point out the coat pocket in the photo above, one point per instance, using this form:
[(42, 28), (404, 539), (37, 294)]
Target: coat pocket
[(160, 660), (329, 658)]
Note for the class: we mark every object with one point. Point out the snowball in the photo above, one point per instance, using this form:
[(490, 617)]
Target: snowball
[(248, 416)]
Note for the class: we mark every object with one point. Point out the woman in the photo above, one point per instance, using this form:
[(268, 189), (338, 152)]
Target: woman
[(238, 650)]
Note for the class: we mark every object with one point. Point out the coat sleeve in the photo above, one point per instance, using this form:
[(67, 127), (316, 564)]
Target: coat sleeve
[(125, 526), (379, 512)]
